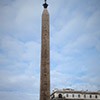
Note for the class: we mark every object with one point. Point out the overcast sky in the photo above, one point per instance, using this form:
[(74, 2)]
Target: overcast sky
[(74, 40)]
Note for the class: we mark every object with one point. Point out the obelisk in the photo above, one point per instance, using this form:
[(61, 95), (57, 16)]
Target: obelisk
[(45, 56)]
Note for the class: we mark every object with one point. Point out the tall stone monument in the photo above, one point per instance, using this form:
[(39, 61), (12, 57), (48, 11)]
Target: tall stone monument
[(45, 56)]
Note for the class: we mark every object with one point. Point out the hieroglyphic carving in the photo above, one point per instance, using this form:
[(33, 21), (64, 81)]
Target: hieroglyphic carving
[(45, 58)]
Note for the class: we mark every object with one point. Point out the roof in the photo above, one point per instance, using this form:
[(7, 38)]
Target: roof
[(74, 91)]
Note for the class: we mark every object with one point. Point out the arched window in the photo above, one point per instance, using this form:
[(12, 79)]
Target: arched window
[(60, 95)]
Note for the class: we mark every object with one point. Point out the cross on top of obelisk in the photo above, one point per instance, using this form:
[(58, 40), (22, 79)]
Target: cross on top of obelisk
[(45, 4)]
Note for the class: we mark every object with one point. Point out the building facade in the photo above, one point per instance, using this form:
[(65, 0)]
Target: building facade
[(70, 94)]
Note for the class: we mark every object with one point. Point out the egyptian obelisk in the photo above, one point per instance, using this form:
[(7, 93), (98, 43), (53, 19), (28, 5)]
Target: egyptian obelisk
[(45, 56)]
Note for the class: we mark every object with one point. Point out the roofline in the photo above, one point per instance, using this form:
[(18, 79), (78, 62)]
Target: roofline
[(81, 92)]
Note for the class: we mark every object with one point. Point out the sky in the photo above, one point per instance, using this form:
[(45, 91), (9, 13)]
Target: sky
[(74, 46)]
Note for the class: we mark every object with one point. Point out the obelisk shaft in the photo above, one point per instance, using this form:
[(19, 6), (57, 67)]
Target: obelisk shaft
[(45, 58)]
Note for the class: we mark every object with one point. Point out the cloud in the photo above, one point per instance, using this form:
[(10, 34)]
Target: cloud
[(19, 66), (74, 46), (19, 18), (18, 96)]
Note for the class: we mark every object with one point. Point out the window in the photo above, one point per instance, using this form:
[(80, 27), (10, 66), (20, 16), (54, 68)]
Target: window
[(79, 95), (72, 95), (66, 95), (84, 96), (90, 96), (96, 96), (60, 95)]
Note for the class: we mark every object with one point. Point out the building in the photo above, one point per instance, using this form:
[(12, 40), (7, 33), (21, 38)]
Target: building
[(45, 56), (71, 94)]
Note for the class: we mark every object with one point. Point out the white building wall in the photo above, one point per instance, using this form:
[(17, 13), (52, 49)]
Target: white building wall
[(81, 96)]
